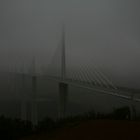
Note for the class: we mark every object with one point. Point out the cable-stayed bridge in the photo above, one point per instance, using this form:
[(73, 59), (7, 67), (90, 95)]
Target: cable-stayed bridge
[(86, 76)]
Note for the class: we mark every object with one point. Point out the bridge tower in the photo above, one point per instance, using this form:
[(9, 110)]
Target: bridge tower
[(33, 115), (23, 100), (63, 87)]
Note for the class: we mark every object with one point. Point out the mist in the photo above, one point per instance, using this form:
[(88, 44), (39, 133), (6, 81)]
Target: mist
[(106, 32)]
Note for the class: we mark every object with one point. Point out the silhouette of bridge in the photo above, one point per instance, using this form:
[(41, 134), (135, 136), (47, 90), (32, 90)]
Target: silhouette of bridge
[(86, 77)]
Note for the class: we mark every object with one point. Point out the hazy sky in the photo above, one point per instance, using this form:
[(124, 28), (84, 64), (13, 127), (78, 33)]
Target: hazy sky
[(106, 31)]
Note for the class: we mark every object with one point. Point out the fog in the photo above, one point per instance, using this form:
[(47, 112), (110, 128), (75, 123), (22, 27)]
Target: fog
[(103, 31)]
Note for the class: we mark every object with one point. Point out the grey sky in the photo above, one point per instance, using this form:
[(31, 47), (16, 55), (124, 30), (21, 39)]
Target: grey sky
[(106, 31)]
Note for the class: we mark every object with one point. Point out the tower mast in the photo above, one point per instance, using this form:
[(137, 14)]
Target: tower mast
[(63, 87), (63, 55)]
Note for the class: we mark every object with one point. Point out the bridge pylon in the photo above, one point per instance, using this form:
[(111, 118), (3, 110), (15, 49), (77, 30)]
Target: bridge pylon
[(63, 87), (34, 114), (63, 95), (29, 104), (23, 101)]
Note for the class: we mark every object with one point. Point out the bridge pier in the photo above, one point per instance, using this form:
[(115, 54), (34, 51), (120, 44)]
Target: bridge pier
[(34, 114), (132, 112), (23, 111), (132, 108), (29, 111), (63, 96), (23, 102)]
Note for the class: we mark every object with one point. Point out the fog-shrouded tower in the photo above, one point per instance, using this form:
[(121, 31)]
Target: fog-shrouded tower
[(23, 100), (63, 87), (28, 102), (33, 102)]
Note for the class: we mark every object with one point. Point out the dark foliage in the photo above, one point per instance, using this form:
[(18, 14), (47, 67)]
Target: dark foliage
[(12, 129), (122, 113), (46, 124)]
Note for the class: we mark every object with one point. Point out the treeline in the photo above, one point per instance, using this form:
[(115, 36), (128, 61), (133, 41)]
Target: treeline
[(14, 129)]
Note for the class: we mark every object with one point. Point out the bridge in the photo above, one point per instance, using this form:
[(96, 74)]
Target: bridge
[(87, 78)]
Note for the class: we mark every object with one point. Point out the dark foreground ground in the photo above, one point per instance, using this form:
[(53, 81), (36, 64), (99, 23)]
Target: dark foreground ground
[(94, 130)]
